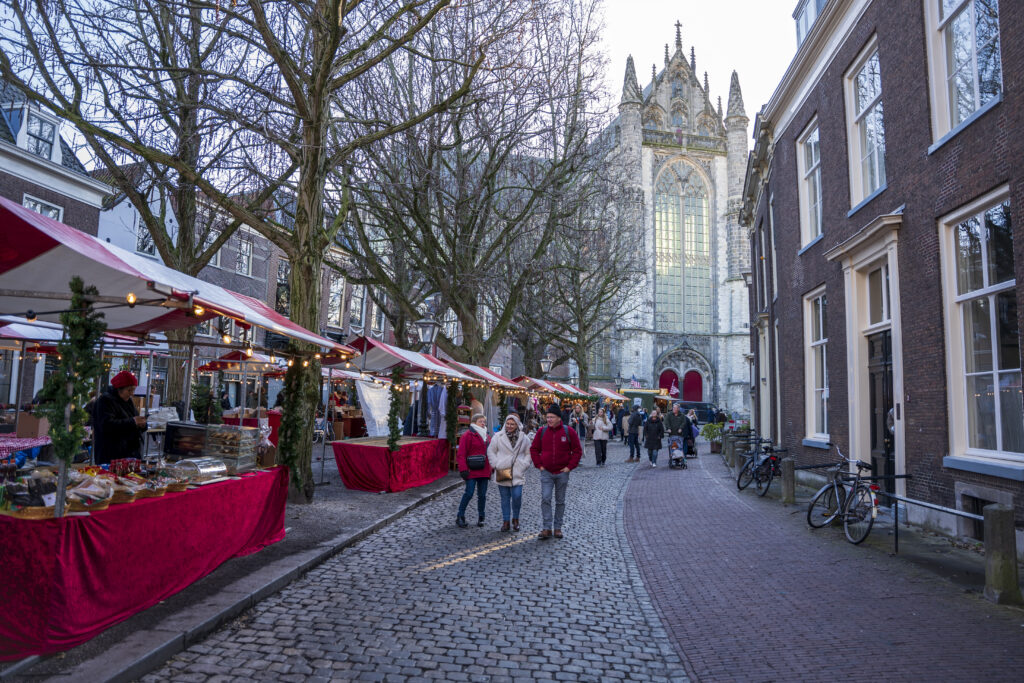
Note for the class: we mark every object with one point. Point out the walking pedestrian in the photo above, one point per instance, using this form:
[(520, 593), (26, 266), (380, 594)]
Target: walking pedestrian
[(578, 421), (654, 431), (471, 458), (555, 452), (509, 456), (624, 423), (636, 420), (602, 432)]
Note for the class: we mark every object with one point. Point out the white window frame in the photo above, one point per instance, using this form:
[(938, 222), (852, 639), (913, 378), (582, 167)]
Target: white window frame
[(943, 126), (142, 232), (211, 237), (956, 377), (771, 236), (245, 244), (811, 225), (358, 324), (859, 191), (29, 202), (335, 295), (813, 393), (53, 141)]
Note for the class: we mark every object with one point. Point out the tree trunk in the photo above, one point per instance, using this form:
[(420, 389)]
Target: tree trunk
[(178, 342)]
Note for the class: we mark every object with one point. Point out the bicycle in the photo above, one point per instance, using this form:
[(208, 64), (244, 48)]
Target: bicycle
[(845, 496), (769, 468), (746, 474)]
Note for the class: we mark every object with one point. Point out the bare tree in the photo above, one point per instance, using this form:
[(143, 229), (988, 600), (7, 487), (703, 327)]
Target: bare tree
[(486, 177), (285, 70)]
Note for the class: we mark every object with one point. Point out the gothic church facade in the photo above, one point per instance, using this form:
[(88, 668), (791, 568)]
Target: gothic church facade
[(689, 327)]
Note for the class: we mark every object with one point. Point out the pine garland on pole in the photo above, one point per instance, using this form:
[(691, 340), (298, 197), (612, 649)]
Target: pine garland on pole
[(451, 418), (502, 407), (394, 432), (67, 390)]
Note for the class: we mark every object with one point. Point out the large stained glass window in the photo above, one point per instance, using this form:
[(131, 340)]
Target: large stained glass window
[(683, 251)]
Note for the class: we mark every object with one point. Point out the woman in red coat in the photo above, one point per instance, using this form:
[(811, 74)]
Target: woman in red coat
[(474, 468)]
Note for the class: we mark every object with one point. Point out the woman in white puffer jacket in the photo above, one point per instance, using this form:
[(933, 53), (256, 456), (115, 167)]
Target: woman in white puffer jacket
[(510, 449)]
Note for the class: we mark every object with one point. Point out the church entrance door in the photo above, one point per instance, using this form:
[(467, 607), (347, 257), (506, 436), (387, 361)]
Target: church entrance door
[(669, 381), (693, 386)]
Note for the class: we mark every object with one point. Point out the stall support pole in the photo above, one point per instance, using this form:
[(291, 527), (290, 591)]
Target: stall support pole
[(327, 425), (21, 384), (245, 382), (188, 381)]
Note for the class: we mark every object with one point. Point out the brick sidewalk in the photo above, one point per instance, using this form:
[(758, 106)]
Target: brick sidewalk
[(748, 592)]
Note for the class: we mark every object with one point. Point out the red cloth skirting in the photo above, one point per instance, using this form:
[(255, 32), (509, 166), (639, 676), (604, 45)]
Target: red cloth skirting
[(375, 468), (66, 580)]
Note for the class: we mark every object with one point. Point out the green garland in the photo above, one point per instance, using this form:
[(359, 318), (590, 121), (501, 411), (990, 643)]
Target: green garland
[(451, 415), (67, 390), (502, 407), (394, 431)]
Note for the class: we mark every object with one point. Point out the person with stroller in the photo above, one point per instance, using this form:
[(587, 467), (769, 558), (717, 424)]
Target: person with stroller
[(677, 427), (654, 432)]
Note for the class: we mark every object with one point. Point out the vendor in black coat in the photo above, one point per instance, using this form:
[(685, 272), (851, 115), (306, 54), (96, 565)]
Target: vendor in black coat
[(118, 428)]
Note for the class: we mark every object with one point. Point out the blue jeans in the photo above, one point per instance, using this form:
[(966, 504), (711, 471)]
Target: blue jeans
[(652, 453), (549, 483), (634, 444), (511, 501), (481, 499)]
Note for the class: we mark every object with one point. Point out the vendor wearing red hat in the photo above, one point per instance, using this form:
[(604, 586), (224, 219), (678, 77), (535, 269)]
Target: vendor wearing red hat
[(118, 428)]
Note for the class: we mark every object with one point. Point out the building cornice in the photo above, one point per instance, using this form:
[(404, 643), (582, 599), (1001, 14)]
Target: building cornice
[(52, 176), (880, 226)]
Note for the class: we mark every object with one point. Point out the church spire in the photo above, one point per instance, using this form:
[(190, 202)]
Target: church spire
[(707, 90), (630, 89), (679, 36), (719, 106), (693, 60), (654, 73), (735, 97), (666, 54)]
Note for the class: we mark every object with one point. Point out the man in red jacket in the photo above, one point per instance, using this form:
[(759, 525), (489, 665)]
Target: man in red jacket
[(555, 451)]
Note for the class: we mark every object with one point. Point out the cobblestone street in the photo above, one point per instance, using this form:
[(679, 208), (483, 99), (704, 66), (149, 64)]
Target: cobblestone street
[(739, 589), (748, 592), (425, 599)]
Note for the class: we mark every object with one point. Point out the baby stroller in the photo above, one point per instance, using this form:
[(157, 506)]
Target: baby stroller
[(676, 453), (319, 429)]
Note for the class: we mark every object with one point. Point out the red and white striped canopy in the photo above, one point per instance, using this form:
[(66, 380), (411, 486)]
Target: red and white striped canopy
[(608, 394), (39, 255), (486, 375), (539, 384), (379, 358)]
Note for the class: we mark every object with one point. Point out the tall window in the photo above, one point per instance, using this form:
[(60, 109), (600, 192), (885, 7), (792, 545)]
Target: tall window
[(39, 206), (969, 65), (450, 326), (211, 237), (867, 137), (243, 257), (986, 305), (144, 243), (809, 161), (683, 251), (335, 300), (40, 136), (816, 374), (283, 291), (355, 306), (378, 313)]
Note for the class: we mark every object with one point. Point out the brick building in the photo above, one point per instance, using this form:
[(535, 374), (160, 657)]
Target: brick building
[(883, 201)]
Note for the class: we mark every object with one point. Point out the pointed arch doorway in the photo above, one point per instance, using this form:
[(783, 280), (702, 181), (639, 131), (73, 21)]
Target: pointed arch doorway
[(693, 386), (669, 381)]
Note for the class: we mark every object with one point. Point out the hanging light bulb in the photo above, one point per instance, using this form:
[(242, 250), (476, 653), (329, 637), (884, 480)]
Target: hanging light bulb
[(273, 358), (290, 362), (317, 356), (305, 363), (197, 311), (248, 351), (226, 339), (131, 299)]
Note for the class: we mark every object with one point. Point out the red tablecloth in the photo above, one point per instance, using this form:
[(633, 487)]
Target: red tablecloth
[(63, 581), (273, 419), (375, 468), (9, 444)]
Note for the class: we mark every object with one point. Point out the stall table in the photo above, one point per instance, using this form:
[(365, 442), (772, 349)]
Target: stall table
[(66, 580), (368, 465)]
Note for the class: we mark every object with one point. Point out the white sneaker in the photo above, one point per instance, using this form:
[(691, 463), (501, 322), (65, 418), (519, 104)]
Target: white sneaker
[(653, 465)]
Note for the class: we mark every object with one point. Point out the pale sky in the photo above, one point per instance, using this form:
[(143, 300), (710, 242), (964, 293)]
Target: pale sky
[(757, 38)]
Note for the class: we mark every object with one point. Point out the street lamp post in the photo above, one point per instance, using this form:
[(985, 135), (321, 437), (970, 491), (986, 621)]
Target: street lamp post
[(426, 329), (545, 365)]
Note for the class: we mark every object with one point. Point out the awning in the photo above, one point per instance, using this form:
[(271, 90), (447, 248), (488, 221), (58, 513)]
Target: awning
[(40, 255), (486, 375), (379, 358), (47, 335), (539, 385), (573, 389), (334, 374), (608, 394), (233, 360)]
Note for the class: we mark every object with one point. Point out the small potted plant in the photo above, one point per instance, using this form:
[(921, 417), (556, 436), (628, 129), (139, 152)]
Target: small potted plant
[(712, 431)]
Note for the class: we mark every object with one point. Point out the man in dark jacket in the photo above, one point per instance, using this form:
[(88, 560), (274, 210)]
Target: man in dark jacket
[(555, 451), (118, 429), (677, 429), (636, 421)]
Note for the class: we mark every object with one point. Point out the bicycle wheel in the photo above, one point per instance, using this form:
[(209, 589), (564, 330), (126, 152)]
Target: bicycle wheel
[(860, 514), (764, 476), (823, 508), (746, 475)]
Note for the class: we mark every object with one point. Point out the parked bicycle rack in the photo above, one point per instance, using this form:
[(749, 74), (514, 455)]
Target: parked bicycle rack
[(920, 503)]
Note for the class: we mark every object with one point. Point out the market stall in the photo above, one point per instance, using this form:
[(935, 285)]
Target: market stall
[(367, 464), (68, 579)]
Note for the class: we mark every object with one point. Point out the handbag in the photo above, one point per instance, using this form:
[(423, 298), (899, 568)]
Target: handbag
[(505, 473), (476, 462)]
